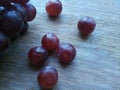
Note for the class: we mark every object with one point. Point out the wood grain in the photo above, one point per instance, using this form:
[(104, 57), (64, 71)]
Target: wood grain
[(97, 63)]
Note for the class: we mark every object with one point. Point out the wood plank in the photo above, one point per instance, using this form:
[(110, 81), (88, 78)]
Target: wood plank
[(97, 63)]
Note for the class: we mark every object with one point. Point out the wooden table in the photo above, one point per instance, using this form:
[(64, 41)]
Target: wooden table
[(97, 63)]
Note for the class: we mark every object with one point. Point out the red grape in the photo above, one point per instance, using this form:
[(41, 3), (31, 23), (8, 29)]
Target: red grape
[(4, 42), (31, 11), (37, 55), (86, 25), (23, 2), (66, 52), (50, 42), (54, 7), (47, 77)]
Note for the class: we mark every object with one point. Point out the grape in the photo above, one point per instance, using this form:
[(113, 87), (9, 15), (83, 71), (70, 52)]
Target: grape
[(47, 77), (54, 7), (31, 12), (24, 29), (12, 21), (50, 42), (23, 2), (18, 7), (4, 42), (13, 35), (14, 17), (86, 25), (2, 9), (66, 52), (37, 55)]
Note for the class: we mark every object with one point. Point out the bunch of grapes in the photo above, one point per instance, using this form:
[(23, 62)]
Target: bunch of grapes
[(14, 18)]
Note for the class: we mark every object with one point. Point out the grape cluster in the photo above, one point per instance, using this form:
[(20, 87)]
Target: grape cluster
[(14, 18)]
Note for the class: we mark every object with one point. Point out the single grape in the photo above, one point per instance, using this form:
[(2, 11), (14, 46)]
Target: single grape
[(2, 10), (31, 11), (50, 42), (23, 2), (66, 52), (86, 25), (4, 42), (37, 55), (24, 29), (20, 8), (47, 77), (54, 7), (12, 22)]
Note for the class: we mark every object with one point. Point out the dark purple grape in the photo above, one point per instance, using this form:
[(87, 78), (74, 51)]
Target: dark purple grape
[(11, 22), (24, 29), (18, 7), (13, 35), (2, 9), (31, 12), (4, 42), (23, 2), (47, 77)]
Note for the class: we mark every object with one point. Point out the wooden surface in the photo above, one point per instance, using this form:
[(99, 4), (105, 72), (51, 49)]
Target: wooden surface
[(97, 63)]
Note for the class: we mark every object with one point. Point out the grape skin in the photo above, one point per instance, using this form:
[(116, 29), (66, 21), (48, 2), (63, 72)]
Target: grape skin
[(37, 55), (4, 42), (66, 52), (47, 77), (50, 42), (54, 8), (31, 11), (86, 25)]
